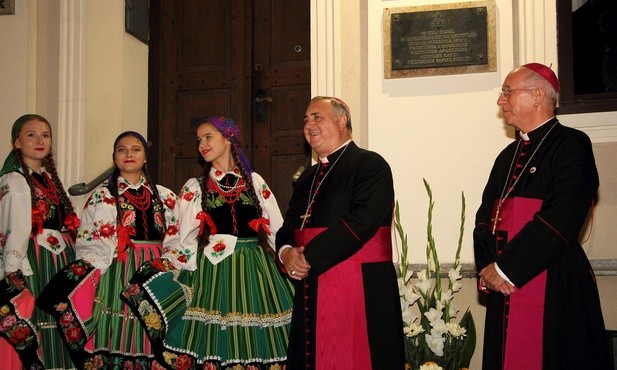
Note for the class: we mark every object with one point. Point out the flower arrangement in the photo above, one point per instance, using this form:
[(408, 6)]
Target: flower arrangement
[(434, 340)]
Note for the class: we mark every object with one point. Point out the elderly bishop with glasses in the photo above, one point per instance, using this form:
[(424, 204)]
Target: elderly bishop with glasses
[(543, 307)]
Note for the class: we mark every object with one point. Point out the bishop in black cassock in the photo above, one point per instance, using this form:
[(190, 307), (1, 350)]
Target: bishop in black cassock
[(543, 306), (347, 312)]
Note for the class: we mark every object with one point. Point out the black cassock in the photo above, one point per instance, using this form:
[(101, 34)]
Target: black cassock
[(354, 202), (554, 180)]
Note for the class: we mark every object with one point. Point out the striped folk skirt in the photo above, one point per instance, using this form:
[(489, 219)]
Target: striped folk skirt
[(234, 314), (99, 329)]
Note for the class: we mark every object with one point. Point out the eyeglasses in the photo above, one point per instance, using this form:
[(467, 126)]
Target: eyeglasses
[(506, 93)]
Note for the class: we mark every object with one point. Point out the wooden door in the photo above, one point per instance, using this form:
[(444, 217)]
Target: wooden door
[(244, 59)]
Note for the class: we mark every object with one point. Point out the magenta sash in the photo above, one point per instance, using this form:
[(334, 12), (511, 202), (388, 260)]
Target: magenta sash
[(524, 329), (341, 331)]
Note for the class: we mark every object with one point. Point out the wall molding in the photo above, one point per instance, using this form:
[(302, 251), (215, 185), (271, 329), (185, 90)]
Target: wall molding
[(325, 48), (71, 91), (607, 267)]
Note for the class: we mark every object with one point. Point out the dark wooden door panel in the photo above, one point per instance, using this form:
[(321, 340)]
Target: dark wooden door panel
[(281, 69), (216, 57)]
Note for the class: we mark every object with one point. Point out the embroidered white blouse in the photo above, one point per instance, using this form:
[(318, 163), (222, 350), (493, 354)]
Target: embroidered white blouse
[(97, 237), (189, 205), (16, 226)]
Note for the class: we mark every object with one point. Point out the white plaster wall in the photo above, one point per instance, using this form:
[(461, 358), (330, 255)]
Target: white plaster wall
[(116, 83), (115, 79), (448, 130), (14, 62)]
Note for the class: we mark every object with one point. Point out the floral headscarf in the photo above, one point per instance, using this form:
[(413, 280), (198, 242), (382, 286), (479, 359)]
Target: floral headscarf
[(231, 132)]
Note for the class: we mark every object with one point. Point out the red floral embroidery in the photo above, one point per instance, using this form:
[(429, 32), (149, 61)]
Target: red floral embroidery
[(3, 238), (131, 290), (183, 362), (20, 334), (8, 322), (170, 203), (266, 193), (107, 230), (66, 319), (43, 207), (188, 196), (182, 258), (172, 230), (73, 334), (158, 219), (209, 366), (17, 281), (128, 218), (109, 200), (78, 270), (53, 241), (219, 247)]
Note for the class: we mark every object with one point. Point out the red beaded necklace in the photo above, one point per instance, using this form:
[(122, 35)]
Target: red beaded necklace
[(48, 188), (139, 201)]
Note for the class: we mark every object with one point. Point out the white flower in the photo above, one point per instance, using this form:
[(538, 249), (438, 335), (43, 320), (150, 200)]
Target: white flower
[(435, 342), (430, 366), (424, 285), (422, 275), (446, 296), (439, 327), (433, 315), (453, 311), (407, 292), (455, 274), (456, 330), (456, 286), (408, 315), (413, 330)]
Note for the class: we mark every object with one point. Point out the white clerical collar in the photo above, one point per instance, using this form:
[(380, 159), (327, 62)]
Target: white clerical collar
[(525, 135), (325, 159)]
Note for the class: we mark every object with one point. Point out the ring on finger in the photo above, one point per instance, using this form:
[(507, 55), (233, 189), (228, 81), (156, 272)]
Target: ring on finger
[(293, 272)]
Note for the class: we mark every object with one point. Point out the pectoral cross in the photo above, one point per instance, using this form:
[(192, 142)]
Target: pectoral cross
[(305, 217)]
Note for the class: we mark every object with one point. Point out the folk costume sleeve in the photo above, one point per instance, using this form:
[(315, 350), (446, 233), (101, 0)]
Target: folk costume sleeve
[(97, 235), (15, 225), (269, 206), (183, 253), (170, 204)]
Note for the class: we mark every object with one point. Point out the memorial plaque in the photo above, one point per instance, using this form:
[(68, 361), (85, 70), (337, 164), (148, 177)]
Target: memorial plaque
[(446, 39)]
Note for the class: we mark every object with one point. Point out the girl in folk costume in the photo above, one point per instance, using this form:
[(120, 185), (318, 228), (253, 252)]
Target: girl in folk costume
[(37, 230), (123, 225), (226, 305)]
